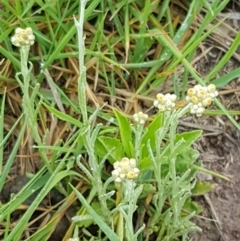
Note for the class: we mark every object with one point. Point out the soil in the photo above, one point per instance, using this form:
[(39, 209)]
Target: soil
[(220, 149), (54, 197), (220, 220)]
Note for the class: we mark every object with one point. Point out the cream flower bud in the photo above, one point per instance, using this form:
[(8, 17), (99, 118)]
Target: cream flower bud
[(118, 179), (194, 99), (213, 94), (160, 97), (194, 107), (197, 87), (136, 171), (165, 102), (211, 88), (168, 103), (191, 92), (173, 97), (18, 30), (132, 163), (156, 103), (201, 94), (192, 111), (200, 110), (161, 108), (122, 175), (115, 173), (116, 164), (130, 175), (207, 101)]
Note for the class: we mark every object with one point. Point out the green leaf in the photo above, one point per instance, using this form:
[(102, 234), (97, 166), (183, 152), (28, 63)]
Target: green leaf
[(188, 137), (63, 116), (225, 79), (86, 220), (83, 220), (97, 208), (125, 133), (148, 188), (104, 144), (202, 188), (186, 159), (150, 135), (145, 163), (191, 206)]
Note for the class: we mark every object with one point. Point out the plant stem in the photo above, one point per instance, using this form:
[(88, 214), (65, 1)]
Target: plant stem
[(28, 100), (28, 106), (88, 134), (138, 136), (82, 69)]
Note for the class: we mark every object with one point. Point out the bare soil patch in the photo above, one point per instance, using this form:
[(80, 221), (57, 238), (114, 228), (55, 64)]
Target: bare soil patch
[(220, 148), (221, 208)]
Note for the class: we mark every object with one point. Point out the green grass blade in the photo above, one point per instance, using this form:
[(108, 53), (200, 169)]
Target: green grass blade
[(225, 59), (98, 220), (2, 130), (63, 116), (9, 55), (227, 78), (12, 156), (10, 132)]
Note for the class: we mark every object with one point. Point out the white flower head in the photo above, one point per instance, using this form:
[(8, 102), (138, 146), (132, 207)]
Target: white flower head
[(140, 118), (165, 102), (23, 37), (125, 169), (200, 97)]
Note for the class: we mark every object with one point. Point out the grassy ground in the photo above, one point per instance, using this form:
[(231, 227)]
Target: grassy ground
[(67, 114)]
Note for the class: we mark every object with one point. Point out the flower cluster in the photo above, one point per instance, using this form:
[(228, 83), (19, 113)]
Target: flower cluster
[(125, 169), (165, 102), (23, 37), (140, 118), (200, 97)]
